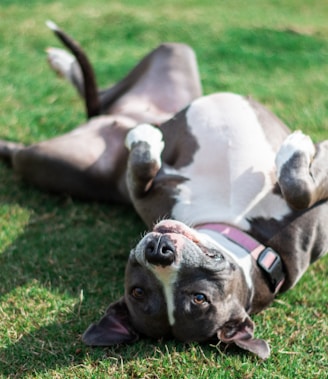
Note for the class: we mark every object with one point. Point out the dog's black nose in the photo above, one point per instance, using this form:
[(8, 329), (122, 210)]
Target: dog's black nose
[(160, 251)]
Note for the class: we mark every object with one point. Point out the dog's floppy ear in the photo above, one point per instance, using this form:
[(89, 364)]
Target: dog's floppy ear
[(240, 331), (114, 328)]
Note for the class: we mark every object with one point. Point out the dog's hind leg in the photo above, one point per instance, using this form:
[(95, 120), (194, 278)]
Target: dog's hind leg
[(164, 82), (67, 67), (302, 170)]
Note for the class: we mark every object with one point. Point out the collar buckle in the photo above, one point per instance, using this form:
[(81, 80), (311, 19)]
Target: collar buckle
[(270, 262)]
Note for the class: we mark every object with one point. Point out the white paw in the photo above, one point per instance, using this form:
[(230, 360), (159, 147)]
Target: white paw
[(60, 61), (147, 133), (295, 142)]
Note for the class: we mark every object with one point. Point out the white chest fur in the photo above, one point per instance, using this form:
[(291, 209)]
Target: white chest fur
[(230, 178)]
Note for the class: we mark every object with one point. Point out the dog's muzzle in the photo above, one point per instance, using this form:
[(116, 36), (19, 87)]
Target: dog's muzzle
[(160, 251)]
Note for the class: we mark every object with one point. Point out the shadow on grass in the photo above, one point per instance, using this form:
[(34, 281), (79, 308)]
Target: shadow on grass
[(42, 351), (66, 247)]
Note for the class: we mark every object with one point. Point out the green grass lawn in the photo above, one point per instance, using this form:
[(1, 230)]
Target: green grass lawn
[(62, 261)]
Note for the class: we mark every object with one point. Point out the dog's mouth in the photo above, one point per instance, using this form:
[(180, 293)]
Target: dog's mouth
[(176, 227)]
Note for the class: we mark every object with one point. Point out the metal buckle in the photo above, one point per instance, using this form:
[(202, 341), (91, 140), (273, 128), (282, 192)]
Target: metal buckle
[(270, 262)]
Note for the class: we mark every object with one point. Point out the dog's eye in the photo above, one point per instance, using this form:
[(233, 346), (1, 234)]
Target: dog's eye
[(138, 293), (199, 298), (214, 254)]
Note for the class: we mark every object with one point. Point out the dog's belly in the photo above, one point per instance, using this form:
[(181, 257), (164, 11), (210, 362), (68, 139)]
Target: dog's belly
[(233, 172)]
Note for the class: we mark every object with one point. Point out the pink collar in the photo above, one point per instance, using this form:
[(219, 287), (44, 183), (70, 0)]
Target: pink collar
[(267, 259)]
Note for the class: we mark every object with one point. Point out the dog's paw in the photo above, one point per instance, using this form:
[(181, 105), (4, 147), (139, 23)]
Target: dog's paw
[(60, 61), (149, 134), (296, 142), (145, 133)]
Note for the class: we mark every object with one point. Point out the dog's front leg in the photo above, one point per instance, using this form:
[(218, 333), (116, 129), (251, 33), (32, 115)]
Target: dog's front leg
[(146, 145), (302, 170)]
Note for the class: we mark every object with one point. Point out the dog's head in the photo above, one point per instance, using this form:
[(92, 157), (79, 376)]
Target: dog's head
[(179, 284)]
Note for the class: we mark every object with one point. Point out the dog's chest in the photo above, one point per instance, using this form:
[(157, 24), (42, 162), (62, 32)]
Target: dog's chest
[(232, 174)]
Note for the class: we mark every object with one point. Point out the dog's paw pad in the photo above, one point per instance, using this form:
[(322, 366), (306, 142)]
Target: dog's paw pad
[(296, 142), (60, 61), (145, 133)]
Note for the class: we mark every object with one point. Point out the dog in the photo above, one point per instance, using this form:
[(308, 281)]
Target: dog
[(236, 204)]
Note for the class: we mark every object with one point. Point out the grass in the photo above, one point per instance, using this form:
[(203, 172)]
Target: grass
[(62, 260)]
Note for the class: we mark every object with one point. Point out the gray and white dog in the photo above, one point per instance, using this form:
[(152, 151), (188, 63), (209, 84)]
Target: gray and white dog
[(242, 201)]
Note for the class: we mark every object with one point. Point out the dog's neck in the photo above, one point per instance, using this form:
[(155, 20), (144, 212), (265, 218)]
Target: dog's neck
[(258, 262)]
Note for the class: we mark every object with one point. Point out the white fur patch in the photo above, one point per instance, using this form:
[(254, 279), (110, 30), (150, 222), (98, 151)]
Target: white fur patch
[(167, 276), (150, 134), (295, 142), (230, 177)]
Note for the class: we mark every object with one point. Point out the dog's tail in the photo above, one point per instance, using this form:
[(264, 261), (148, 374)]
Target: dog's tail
[(92, 101)]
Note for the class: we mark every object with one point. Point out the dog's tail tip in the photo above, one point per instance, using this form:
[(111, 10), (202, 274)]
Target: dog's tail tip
[(51, 25)]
